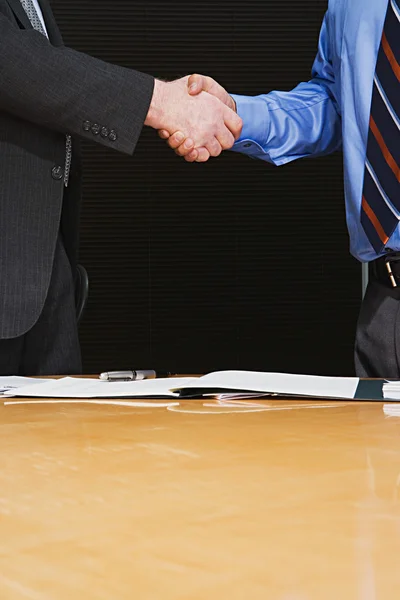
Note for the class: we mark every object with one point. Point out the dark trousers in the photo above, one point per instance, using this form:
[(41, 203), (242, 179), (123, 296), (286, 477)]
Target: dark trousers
[(377, 348), (51, 347)]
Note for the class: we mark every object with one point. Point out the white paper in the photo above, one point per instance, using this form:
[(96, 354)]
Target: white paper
[(11, 382), (280, 383), (391, 389), (250, 381), (72, 387)]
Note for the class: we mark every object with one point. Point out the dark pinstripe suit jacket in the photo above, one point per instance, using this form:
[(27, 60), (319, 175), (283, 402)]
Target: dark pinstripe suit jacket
[(46, 91)]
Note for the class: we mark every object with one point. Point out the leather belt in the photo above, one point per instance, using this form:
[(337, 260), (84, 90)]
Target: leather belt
[(386, 269)]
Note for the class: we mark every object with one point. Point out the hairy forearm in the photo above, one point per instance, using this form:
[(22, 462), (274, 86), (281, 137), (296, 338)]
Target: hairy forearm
[(156, 113)]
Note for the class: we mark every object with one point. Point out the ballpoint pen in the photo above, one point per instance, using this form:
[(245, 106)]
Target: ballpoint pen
[(131, 375)]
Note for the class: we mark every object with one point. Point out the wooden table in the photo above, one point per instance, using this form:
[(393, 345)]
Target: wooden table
[(280, 501)]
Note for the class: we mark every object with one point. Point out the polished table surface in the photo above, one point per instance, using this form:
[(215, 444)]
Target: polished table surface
[(282, 500)]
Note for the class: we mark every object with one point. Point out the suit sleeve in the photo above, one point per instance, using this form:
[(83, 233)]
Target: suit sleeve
[(280, 127), (71, 92)]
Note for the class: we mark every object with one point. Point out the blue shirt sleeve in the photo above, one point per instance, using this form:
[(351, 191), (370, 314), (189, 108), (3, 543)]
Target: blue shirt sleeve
[(280, 127)]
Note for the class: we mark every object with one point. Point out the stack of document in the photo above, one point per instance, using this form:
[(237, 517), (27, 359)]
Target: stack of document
[(281, 384), (9, 384), (73, 387), (391, 390), (222, 384)]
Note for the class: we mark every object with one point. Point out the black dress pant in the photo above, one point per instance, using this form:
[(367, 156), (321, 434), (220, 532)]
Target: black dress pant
[(51, 347), (377, 347)]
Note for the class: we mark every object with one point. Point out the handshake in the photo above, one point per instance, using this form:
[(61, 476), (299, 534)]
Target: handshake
[(195, 115)]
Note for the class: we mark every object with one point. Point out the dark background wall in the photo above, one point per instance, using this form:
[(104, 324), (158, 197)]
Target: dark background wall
[(229, 264)]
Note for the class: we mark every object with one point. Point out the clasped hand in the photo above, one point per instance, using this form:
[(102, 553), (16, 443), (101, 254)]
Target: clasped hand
[(196, 116)]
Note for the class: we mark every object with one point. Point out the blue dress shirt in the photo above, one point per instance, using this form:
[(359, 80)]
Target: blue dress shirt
[(330, 111)]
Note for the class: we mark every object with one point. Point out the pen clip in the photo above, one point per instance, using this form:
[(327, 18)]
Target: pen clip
[(118, 376)]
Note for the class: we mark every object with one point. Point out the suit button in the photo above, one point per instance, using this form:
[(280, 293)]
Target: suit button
[(112, 136), (104, 132), (57, 173), (96, 129), (86, 125)]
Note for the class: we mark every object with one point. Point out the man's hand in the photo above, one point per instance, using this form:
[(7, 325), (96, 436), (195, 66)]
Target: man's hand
[(185, 146), (198, 83), (202, 119)]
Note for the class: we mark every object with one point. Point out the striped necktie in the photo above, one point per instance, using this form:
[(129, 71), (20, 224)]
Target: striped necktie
[(33, 16), (380, 207)]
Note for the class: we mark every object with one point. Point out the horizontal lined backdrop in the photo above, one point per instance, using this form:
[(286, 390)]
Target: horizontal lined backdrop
[(230, 264)]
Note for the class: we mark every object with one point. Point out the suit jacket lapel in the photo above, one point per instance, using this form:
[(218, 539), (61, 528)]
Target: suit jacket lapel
[(51, 26), (19, 12)]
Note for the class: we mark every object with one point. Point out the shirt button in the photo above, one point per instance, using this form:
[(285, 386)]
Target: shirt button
[(247, 145), (96, 129), (86, 125), (104, 132), (57, 173), (112, 136)]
